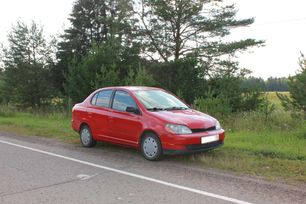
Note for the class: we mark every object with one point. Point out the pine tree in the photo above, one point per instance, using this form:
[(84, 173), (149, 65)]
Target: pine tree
[(27, 60), (98, 68), (139, 77), (93, 22), (175, 28), (297, 89)]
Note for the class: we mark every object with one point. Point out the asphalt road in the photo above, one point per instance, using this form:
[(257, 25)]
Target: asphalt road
[(39, 170)]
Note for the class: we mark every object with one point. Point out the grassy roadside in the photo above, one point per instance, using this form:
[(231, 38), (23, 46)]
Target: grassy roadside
[(273, 148), (51, 125), (282, 159), (268, 153)]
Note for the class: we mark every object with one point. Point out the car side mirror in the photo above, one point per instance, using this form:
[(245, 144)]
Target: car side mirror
[(131, 109)]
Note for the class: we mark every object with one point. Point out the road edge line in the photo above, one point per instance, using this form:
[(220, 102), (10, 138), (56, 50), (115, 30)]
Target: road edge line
[(165, 183)]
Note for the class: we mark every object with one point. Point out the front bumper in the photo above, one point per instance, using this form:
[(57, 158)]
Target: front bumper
[(194, 148), (191, 143)]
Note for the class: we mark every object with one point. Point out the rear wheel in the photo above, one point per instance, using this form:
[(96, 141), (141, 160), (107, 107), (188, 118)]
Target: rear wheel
[(151, 147), (86, 137)]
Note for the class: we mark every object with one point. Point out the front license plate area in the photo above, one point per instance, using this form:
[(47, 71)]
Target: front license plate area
[(209, 139)]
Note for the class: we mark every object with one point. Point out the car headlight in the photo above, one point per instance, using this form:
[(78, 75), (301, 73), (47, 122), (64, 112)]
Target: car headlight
[(178, 129), (218, 126)]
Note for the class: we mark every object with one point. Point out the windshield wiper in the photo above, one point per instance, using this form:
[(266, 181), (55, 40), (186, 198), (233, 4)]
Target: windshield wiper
[(155, 109), (176, 108)]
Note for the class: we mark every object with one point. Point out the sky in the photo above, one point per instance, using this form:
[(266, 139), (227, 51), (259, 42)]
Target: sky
[(281, 23)]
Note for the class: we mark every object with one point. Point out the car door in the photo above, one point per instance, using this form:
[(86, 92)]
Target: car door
[(100, 108), (124, 126)]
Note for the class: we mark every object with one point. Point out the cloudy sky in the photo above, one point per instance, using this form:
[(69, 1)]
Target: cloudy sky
[(281, 23)]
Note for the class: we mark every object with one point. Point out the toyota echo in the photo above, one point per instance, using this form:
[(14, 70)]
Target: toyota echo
[(150, 119)]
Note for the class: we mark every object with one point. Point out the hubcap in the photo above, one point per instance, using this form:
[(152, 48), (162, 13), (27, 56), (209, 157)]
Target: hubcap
[(150, 147), (85, 136)]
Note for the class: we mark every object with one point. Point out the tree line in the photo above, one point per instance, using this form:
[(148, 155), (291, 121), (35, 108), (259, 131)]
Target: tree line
[(179, 45), (270, 84)]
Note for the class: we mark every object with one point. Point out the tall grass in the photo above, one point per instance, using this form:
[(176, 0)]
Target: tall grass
[(6, 110), (256, 121), (279, 135), (38, 123), (267, 145)]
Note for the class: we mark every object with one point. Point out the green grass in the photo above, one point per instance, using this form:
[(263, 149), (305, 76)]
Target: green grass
[(50, 125), (273, 148), (247, 162), (270, 144)]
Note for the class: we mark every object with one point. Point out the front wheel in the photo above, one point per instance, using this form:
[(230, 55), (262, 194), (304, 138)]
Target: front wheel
[(86, 137), (151, 147)]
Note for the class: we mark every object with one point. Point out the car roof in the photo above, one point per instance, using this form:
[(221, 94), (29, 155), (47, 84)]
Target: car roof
[(132, 88)]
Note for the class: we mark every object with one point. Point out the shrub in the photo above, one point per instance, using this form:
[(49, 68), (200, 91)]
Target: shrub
[(215, 106), (179, 76), (297, 88), (266, 107), (139, 77)]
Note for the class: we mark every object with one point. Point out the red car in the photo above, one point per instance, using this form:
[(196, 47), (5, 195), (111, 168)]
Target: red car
[(151, 119)]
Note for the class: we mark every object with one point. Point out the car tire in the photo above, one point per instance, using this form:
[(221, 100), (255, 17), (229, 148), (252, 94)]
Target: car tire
[(86, 137), (151, 147)]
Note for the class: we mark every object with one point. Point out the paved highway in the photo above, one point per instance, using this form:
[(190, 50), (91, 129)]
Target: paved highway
[(39, 170)]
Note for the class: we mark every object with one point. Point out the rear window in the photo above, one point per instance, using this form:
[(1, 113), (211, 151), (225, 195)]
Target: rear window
[(94, 99), (102, 98)]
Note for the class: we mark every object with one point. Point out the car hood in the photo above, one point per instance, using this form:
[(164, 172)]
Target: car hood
[(191, 118)]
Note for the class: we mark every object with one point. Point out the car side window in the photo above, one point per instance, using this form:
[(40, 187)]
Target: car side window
[(103, 98), (94, 99), (122, 100)]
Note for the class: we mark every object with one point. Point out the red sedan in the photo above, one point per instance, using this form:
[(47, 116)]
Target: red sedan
[(151, 119)]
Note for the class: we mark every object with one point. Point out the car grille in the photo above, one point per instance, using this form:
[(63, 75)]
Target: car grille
[(204, 146), (203, 129)]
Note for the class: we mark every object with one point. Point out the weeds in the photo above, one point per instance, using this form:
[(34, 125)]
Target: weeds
[(6, 111)]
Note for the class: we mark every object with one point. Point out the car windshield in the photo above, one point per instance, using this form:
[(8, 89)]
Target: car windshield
[(156, 100)]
